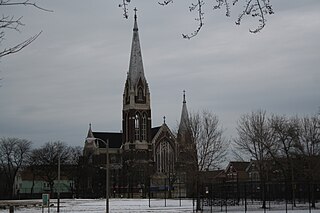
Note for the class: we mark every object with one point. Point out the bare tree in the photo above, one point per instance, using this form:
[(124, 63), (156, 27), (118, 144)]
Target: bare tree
[(210, 144), (286, 134), (308, 148), (255, 139), (12, 23), (259, 9), (45, 160), (75, 153), (13, 155), (74, 171)]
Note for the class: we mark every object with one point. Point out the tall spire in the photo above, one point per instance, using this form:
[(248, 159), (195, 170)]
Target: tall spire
[(136, 65), (90, 133), (184, 121)]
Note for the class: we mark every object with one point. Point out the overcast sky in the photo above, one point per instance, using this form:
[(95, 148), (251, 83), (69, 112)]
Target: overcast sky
[(74, 73)]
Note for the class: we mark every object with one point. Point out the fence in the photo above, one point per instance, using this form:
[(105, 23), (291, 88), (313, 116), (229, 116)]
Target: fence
[(253, 195)]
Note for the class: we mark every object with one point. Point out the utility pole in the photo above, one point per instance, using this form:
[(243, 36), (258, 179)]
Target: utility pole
[(58, 190)]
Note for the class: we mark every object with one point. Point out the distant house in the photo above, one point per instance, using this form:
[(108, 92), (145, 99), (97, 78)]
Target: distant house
[(212, 177), (236, 171), (210, 182), (30, 185)]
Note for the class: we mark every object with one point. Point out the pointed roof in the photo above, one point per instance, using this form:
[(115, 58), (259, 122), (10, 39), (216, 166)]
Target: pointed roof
[(114, 138), (184, 121), (238, 165), (136, 65), (90, 134), (158, 132)]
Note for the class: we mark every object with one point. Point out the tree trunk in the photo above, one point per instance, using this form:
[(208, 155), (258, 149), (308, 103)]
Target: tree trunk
[(198, 207), (313, 201), (263, 191), (51, 189), (32, 187), (11, 188)]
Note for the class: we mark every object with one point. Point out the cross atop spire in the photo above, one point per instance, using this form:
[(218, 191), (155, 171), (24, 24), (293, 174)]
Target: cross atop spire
[(164, 119), (135, 13), (135, 27), (184, 96)]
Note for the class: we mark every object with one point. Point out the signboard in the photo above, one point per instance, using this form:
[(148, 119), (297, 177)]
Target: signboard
[(45, 199)]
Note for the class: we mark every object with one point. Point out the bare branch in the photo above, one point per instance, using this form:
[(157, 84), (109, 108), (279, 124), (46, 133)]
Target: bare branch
[(253, 8), (20, 46), (124, 7), (8, 22), (164, 3), (24, 3), (256, 8), (220, 4), (198, 7)]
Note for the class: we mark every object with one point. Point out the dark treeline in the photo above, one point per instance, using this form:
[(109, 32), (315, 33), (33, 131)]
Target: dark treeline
[(17, 155), (281, 149)]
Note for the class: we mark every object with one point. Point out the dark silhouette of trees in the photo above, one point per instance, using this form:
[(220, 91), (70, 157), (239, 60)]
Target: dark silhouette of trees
[(14, 153), (285, 134), (290, 146), (257, 9), (44, 161), (73, 168), (208, 137), (308, 150), (255, 139), (210, 145)]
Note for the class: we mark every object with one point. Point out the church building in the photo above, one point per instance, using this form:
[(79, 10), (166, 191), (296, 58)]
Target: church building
[(143, 160)]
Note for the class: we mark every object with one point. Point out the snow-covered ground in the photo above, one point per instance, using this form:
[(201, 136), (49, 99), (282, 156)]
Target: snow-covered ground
[(142, 205)]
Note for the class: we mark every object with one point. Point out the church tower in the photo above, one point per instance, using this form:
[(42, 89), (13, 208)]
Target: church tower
[(187, 157), (136, 117)]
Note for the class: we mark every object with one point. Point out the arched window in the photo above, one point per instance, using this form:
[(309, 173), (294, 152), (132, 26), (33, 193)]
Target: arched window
[(165, 157), (127, 126), (144, 126), (137, 127), (140, 94)]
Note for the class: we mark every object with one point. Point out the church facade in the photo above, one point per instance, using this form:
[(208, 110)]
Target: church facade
[(144, 160)]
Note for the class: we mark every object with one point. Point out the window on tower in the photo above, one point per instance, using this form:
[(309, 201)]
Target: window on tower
[(140, 94), (144, 127), (127, 126), (137, 127)]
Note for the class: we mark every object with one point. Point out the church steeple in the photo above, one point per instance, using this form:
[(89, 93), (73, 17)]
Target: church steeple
[(136, 71), (136, 88), (90, 133), (136, 122), (184, 120)]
